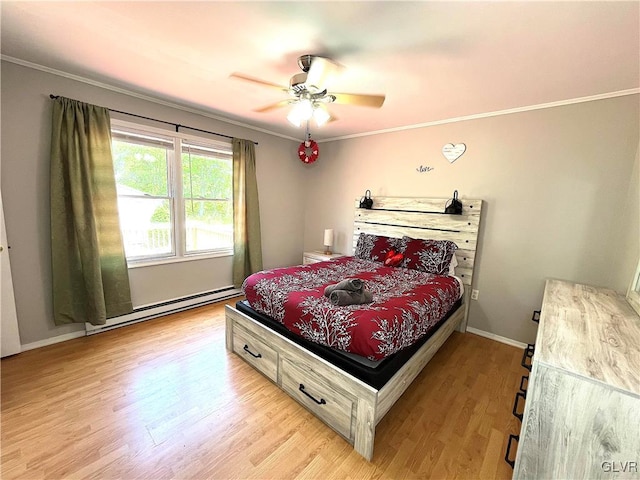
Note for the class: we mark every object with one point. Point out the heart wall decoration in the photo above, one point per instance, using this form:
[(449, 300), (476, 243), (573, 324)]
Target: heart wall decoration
[(453, 152)]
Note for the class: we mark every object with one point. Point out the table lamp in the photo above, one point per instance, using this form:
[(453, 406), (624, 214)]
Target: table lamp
[(328, 241)]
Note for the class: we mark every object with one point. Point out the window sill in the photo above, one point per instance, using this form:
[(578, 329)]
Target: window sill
[(188, 258)]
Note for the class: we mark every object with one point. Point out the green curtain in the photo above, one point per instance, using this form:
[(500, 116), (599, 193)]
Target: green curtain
[(90, 276), (247, 245)]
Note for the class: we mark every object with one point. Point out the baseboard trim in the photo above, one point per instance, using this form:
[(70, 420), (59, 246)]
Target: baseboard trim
[(53, 340), (497, 338), (144, 313), (149, 312)]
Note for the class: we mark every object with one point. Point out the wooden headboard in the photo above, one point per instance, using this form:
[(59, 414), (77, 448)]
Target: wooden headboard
[(424, 218)]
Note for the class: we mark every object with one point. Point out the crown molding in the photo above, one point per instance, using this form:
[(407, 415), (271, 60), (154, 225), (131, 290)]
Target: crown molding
[(148, 98), (204, 113), (528, 108)]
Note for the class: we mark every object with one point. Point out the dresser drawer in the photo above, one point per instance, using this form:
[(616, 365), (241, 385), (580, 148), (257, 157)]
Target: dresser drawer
[(319, 396), (256, 352)]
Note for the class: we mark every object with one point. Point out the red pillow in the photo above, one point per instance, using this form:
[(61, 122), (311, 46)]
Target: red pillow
[(376, 247), (430, 256)]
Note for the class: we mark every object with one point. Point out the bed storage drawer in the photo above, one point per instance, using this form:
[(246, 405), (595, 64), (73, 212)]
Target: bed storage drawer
[(318, 395), (256, 352)]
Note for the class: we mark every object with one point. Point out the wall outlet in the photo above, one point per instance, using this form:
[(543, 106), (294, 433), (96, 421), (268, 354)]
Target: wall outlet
[(474, 294)]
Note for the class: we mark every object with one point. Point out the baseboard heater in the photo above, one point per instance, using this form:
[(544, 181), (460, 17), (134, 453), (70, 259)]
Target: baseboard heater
[(147, 312)]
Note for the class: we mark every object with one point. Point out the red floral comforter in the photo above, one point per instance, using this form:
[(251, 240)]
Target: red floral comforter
[(406, 304)]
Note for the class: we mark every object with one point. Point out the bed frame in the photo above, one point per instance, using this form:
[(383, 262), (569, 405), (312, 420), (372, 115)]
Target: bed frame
[(348, 405)]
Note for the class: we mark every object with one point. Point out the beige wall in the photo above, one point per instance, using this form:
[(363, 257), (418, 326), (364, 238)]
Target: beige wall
[(555, 183), (26, 111)]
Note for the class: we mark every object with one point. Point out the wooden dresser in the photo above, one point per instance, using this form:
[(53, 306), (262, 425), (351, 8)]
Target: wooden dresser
[(582, 409)]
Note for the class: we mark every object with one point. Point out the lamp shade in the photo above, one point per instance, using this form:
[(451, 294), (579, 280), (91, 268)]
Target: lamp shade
[(301, 112), (328, 237), (321, 115)]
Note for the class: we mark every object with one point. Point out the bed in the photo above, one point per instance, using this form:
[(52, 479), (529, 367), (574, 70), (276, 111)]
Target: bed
[(352, 391)]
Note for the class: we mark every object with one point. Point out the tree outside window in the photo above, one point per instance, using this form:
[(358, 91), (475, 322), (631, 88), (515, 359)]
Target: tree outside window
[(170, 205)]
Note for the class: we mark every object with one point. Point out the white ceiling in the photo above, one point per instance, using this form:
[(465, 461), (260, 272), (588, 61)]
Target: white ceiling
[(433, 60)]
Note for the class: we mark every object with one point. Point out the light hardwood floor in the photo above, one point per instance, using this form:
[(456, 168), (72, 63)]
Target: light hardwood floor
[(164, 399)]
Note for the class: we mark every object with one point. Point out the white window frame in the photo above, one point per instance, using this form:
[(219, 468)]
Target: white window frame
[(176, 194)]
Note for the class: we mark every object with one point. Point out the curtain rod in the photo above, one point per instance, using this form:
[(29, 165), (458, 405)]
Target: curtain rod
[(177, 125)]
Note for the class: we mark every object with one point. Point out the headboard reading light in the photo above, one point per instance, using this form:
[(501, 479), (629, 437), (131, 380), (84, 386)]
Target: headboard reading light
[(454, 206), (366, 201)]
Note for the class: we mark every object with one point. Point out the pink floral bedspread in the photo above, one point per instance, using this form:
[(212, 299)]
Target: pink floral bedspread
[(406, 304)]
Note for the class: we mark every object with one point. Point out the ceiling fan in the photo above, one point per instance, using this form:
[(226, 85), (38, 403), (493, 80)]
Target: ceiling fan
[(308, 94)]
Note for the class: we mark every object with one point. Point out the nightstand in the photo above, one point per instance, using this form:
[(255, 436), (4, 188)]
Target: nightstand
[(318, 256)]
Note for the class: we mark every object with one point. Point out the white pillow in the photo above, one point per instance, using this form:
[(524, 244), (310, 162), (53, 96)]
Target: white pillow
[(453, 265)]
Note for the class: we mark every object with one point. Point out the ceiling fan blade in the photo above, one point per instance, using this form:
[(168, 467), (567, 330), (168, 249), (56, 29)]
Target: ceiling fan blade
[(273, 106), (320, 71), (362, 100), (247, 78)]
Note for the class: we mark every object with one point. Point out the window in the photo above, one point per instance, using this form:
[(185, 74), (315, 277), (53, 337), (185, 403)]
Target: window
[(207, 190), (172, 205)]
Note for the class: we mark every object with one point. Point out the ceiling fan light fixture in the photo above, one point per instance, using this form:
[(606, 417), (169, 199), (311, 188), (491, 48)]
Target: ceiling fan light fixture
[(294, 118), (305, 107), (321, 115), (301, 112)]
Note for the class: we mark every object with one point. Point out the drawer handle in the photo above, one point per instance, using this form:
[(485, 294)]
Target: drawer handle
[(506, 455), (246, 349), (515, 405), (319, 402), (536, 316), (528, 353), (522, 388)]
